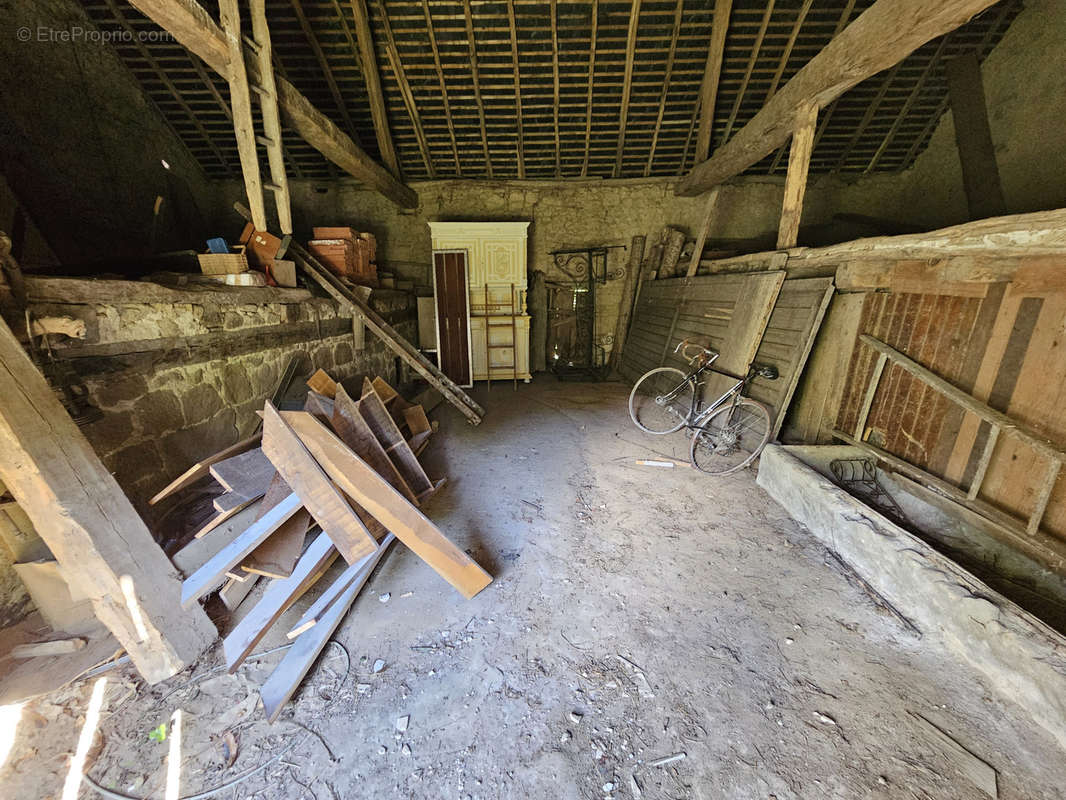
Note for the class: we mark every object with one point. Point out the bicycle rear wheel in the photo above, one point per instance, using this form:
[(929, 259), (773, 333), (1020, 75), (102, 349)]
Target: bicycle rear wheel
[(731, 438), (661, 400)]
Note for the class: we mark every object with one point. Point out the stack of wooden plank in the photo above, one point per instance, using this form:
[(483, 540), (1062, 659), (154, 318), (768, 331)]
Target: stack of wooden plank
[(341, 478), (347, 253)]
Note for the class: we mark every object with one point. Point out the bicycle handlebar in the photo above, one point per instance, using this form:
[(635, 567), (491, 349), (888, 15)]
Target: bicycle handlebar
[(685, 344)]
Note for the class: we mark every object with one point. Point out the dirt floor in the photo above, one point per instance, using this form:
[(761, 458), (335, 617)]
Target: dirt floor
[(651, 633)]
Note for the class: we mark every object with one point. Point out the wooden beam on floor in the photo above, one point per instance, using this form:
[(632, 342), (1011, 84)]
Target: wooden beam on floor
[(627, 85), (675, 33), (880, 37), (103, 547), (799, 161), (368, 63), (712, 74), (191, 25), (973, 137), (396, 63), (520, 144)]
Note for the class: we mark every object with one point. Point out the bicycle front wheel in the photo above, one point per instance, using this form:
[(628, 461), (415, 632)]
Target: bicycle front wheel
[(731, 438), (661, 401)]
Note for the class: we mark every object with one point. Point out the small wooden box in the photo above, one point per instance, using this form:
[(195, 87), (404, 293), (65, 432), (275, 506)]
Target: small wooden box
[(222, 263)]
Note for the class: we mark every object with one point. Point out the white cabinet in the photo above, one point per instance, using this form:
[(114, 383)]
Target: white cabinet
[(496, 267)]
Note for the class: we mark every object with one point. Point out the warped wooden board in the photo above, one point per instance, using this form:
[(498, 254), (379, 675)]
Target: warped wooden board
[(202, 468), (289, 674), (197, 552), (248, 473), (279, 595), (388, 433), (205, 578), (348, 423), (277, 556), (325, 601), (359, 480), (228, 504), (329, 509), (321, 383)]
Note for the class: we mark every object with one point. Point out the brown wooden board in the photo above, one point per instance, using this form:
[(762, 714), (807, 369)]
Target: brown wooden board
[(348, 423), (453, 315), (322, 383), (298, 468), (278, 597), (399, 516), (249, 473), (399, 452), (202, 468), (277, 556), (223, 516)]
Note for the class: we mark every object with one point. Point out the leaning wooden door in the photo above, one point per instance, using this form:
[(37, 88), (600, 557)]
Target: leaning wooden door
[(453, 315)]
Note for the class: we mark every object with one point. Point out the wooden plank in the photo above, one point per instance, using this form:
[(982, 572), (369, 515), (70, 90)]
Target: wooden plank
[(357, 479), (277, 556), (973, 137), (799, 160), (296, 465), (248, 473), (982, 465), (325, 601), (289, 674), (881, 36), (388, 434), (241, 105), (705, 229), (191, 25), (400, 346), (198, 551), (353, 430), (276, 600), (229, 503), (868, 398), (712, 74), (235, 591), (201, 469), (322, 383), (99, 540), (207, 577), (1047, 486), (400, 76), (230, 512), (372, 78), (748, 320)]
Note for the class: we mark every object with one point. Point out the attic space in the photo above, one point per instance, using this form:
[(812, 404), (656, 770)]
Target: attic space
[(479, 399)]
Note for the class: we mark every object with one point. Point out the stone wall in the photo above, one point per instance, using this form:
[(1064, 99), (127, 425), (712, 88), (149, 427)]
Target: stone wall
[(179, 373)]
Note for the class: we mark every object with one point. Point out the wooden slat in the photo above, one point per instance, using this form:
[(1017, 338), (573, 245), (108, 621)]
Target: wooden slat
[(317, 610), (443, 87), (868, 398), (246, 473), (982, 465), (796, 182), (752, 58), (1043, 495), (520, 138), (357, 479), (627, 85), (711, 76), (277, 556), (289, 674), (268, 107), (279, 596), (235, 591), (880, 37), (201, 469), (353, 430), (388, 434), (202, 581), (475, 74), (589, 94), (197, 552), (675, 32), (318, 495)]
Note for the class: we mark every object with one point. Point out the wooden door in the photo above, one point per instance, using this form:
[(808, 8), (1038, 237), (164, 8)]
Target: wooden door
[(453, 315)]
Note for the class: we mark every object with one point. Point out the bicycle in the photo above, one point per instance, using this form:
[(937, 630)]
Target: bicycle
[(727, 435)]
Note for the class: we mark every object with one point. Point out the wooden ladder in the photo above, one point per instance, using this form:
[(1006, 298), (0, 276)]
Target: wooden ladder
[(258, 48), (512, 326)]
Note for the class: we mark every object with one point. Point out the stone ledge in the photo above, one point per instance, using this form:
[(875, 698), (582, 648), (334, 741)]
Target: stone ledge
[(1020, 656), (78, 291)]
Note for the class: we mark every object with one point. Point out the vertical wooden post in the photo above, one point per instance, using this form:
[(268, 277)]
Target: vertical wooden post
[(711, 76), (101, 544), (705, 228), (268, 107), (629, 290), (799, 159), (973, 137)]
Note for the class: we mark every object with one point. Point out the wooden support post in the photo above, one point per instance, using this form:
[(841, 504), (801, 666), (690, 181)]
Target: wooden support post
[(101, 544), (705, 228), (868, 400), (884, 34), (712, 74), (629, 290), (799, 159), (973, 136)]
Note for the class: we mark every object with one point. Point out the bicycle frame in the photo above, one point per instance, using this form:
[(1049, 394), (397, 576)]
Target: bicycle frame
[(733, 393)]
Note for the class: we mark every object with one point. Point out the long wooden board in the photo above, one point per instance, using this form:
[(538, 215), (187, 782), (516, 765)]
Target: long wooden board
[(202, 581), (278, 597), (296, 465), (197, 552), (348, 423), (289, 674), (277, 556), (202, 468), (379, 419), (248, 473), (317, 610), (357, 479)]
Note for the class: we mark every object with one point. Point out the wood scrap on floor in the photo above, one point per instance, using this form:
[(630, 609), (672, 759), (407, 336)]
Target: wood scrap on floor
[(341, 467)]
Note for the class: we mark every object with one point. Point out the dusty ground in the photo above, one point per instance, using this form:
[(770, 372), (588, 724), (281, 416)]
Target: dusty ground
[(637, 614)]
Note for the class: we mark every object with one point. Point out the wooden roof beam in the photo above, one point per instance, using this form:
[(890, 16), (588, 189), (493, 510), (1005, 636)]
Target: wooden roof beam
[(880, 37), (674, 34), (520, 143), (627, 85), (443, 86), (368, 63), (592, 80), (191, 25), (472, 48), (405, 89), (711, 76)]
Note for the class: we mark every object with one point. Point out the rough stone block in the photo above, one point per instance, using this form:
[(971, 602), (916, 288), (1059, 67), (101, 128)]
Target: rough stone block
[(181, 449), (108, 392), (135, 463), (111, 432), (236, 388), (200, 402), (158, 412)]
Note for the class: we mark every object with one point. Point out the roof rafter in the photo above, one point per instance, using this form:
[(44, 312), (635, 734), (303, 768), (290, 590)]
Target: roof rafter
[(591, 83), (327, 71), (712, 76), (443, 86), (472, 47), (405, 88), (627, 85), (521, 138), (372, 78), (674, 33)]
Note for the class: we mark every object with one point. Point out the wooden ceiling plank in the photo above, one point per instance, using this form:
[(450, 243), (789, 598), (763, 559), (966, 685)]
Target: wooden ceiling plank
[(871, 111), (674, 34), (405, 88), (750, 68), (627, 85), (593, 34), (468, 18), (555, 83), (190, 24), (879, 38), (782, 65), (711, 77)]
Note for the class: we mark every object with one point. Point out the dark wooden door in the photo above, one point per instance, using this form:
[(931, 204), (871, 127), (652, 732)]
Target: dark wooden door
[(453, 315)]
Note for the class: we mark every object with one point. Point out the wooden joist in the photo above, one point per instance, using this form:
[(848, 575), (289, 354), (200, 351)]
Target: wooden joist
[(310, 484), (358, 480), (368, 64), (796, 181), (880, 37), (191, 25)]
